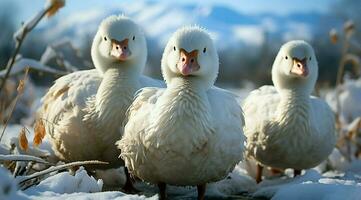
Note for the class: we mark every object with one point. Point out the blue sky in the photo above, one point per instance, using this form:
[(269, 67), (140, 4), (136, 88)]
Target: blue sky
[(282, 7)]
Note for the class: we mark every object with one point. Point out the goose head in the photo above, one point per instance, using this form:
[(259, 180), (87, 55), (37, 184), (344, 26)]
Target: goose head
[(190, 54), (119, 43), (295, 67)]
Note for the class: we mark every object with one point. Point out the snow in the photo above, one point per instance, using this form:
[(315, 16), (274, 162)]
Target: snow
[(8, 188), (323, 183), (318, 191), (336, 178), (354, 167), (4, 149), (349, 96), (250, 34), (312, 185), (61, 186), (66, 183), (10, 138), (337, 161), (22, 63), (91, 196), (236, 182), (48, 54), (297, 30), (112, 177), (270, 25), (21, 158), (30, 24)]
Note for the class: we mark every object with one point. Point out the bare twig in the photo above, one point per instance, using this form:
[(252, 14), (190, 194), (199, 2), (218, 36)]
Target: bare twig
[(20, 36), (20, 92), (349, 29), (23, 179), (34, 65), (341, 67), (22, 158)]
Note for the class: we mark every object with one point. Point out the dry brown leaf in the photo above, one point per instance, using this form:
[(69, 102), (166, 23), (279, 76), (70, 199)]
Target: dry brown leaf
[(21, 85), (39, 131), (55, 6), (333, 36), (23, 141), (349, 28)]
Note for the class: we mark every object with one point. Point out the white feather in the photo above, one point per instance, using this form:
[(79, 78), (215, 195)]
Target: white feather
[(186, 134), (285, 126), (83, 112)]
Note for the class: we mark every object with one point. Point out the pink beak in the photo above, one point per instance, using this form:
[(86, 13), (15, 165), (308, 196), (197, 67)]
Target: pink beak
[(120, 50), (188, 62), (300, 67)]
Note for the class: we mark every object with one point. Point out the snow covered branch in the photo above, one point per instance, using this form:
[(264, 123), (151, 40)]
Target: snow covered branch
[(22, 63), (21, 180), (21, 34), (22, 158), (52, 52)]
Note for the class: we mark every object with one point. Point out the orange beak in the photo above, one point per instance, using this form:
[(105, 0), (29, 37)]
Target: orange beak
[(188, 62), (120, 50), (300, 67)]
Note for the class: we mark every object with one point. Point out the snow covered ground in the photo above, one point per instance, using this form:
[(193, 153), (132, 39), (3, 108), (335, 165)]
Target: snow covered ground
[(337, 178), (238, 185), (342, 182)]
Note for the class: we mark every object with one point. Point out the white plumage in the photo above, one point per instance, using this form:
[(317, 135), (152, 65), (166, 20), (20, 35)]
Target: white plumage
[(191, 132), (349, 94), (285, 126), (83, 112)]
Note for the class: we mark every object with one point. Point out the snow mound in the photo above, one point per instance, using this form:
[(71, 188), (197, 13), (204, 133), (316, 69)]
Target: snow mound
[(312, 186), (7, 184), (349, 97), (66, 183), (335, 161), (8, 188), (237, 182), (61, 186), (92, 196), (112, 177)]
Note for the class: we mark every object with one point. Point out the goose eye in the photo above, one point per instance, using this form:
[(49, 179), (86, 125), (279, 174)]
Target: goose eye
[(105, 38), (174, 48), (286, 57), (133, 37), (204, 50)]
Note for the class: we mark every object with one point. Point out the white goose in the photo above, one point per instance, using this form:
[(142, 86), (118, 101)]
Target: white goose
[(83, 111), (189, 133), (285, 126)]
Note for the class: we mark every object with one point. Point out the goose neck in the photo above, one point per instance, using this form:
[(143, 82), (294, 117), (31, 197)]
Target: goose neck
[(187, 83), (293, 104), (115, 91)]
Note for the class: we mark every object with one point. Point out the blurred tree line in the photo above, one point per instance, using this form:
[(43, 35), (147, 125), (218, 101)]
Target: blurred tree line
[(241, 64)]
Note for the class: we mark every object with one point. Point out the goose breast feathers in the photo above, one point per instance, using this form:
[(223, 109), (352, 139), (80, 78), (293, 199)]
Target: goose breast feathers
[(178, 155)]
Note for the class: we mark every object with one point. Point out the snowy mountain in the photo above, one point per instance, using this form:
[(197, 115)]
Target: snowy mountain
[(159, 20)]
